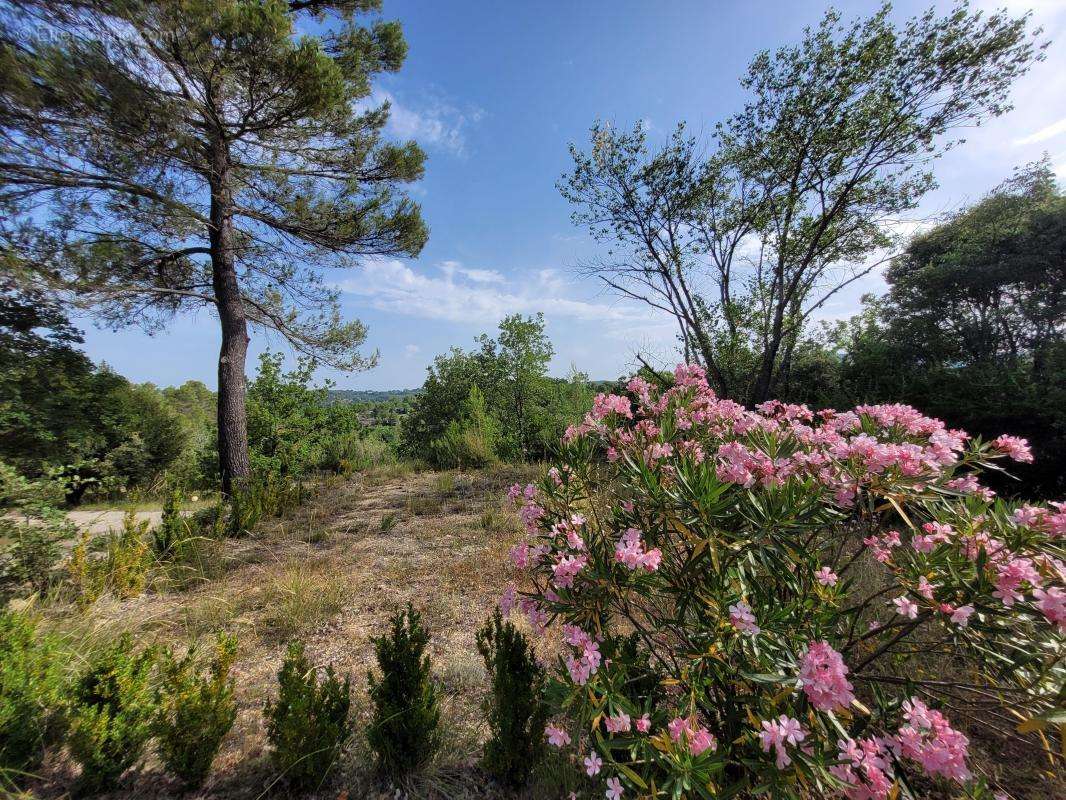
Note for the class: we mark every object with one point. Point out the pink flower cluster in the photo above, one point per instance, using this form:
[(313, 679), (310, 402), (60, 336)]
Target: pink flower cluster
[(823, 676), (1052, 604), (1017, 449), (842, 450), (743, 619), (586, 661), (867, 772), (778, 733), (930, 740), (697, 738), (926, 737), (630, 551), (557, 737)]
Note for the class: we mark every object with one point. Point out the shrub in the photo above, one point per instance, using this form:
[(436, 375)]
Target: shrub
[(267, 494), (471, 440), (309, 722), (112, 712), (798, 583), (196, 711), (123, 569), (515, 709), (354, 453), (403, 732), (31, 694), (172, 529), (33, 527)]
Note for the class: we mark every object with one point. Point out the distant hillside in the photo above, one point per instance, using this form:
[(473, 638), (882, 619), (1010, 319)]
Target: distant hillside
[(368, 395)]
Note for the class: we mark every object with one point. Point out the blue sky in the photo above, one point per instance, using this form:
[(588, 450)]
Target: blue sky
[(495, 91)]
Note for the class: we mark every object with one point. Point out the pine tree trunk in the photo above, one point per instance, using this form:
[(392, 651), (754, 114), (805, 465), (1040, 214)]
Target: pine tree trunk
[(232, 417)]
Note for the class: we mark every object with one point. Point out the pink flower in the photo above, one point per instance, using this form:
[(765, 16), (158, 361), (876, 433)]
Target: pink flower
[(629, 550), (557, 737), (826, 577), (507, 600), (700, 740), (823, 676), (696, 737), (961, 615), (593, 762), (643, 724), (676, 727), (866, 772), (1015, 447), (743, 619), (1052, 604), (777, 733), (1011, 575), (614, 789), (906, 607), (605, 404), (567, 568), (925, 588), (619, 723)]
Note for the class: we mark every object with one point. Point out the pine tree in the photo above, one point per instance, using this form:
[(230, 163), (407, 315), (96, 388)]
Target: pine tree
[(157, 156)]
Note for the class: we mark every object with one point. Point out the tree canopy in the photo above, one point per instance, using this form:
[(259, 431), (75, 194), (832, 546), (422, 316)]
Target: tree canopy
[(797, 198)]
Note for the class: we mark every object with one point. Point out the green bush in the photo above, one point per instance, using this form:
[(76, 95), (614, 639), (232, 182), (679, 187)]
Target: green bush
[(469, 441), (515, 709), (196, 711), (112, 713), (31, 694), (354, 453), (267, 494), (124, 568), (172, 529), (309, 722), (403, 732), (33, 528)]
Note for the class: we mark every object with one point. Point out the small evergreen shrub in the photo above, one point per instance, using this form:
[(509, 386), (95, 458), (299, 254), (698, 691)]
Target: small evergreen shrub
[(31, 693), (309, 722), (403, 732), (112, 713), (196, 710), (172, 529), (515, 708)]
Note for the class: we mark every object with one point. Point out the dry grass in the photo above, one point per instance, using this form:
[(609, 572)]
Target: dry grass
[(331, 574)]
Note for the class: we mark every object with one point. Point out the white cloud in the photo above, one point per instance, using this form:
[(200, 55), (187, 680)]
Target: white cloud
[(390, 285), (434, 123), (412, 350), (453, 268), (1042, 135)]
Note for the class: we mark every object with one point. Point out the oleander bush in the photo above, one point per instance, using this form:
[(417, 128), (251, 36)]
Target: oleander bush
[(32, 692), (403, 732), (780, 603), (111, 715), (515, 708), (196, 710), (309, 722)]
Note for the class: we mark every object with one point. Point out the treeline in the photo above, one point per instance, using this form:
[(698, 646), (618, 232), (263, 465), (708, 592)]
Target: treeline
[(62, 417)]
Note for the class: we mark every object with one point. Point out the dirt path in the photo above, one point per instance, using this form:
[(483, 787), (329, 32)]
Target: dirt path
[(102, 521), (331, 575)]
